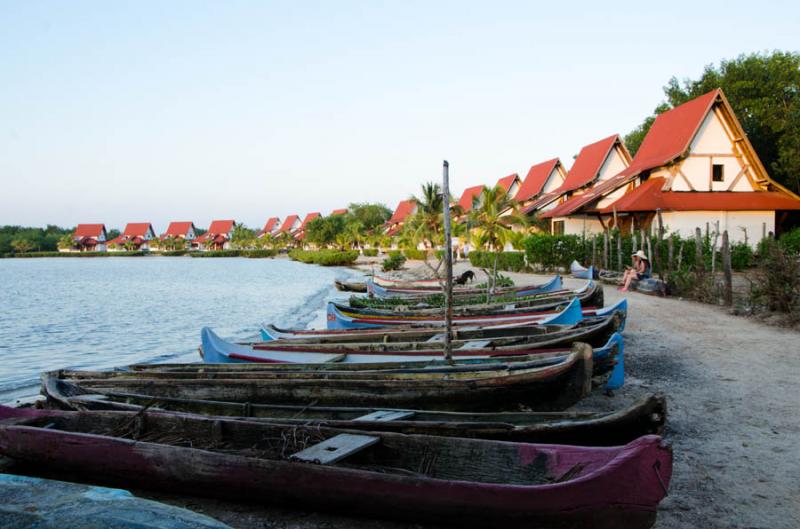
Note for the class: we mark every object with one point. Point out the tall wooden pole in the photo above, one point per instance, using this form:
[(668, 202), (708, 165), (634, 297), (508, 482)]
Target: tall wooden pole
[(448, 263)]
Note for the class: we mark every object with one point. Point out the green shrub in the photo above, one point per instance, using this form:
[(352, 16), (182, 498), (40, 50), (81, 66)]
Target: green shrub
[(502, 282), (370, 252), (790, 242), (393, 262), (325, 257), (741, 256), (28, 255), (552, 251), (218, 253), (509, 261), (174, 253), (414, 254), (259, 254)]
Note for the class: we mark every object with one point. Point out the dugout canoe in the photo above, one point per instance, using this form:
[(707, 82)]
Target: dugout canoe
[(461, 481), (646, 416), (350, 286), (374, 289), (552, 385)]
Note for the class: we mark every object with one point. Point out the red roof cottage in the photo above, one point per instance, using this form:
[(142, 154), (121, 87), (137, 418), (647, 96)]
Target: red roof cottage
[(300, 234), (696, 166), (290, 224), (270, 228), (542, 178), (468, 197), (217, 237), (395, 223), (136, 237), (90, 238)]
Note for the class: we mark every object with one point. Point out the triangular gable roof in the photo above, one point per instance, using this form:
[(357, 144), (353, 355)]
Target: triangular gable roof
[(507, 181), (177, 228), (403, 210), (272, 222), (221, 227), (339, 211), (309, 218), (535, 180), (650, 196), (587, 165), (467, 197), (137, 229), (288, 223), (89, 230)]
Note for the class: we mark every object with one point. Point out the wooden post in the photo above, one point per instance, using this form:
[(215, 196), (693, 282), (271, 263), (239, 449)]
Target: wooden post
[(605, 250), (650, 250), (763, 230), (726, 268), (634, 244), (448, 270), (699, 266), (657, 255), (714, 249), (619, 250), (670, 252)]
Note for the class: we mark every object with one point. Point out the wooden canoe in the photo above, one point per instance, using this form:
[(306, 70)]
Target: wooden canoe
[(646, 416), (350, 286), (461, 481), (554, 384), (383, 292)]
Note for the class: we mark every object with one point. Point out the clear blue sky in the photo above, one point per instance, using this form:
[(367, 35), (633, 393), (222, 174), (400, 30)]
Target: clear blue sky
[(157, 111)]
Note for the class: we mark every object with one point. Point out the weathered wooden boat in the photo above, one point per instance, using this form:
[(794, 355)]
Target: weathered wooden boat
[(378, 291), (343, 317), (645, 416), (440, 479), (606, 357), (384, 281), (581, 272), (350, 286), (570, 314), (550, 384)]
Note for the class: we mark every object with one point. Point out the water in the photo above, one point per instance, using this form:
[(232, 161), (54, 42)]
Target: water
[(105, 312)]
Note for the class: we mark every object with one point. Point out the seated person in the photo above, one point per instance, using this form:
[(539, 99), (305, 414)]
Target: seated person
[(640, 270)]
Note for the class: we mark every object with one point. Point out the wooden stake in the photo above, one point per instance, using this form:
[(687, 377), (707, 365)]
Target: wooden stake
[(670, 252), (619, 251), (448, 252), (699, 266), (727, 269)]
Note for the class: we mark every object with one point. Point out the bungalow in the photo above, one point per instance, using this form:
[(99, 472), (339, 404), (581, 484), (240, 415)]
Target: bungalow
[(542, 179), (290, 224), (695, 166), (595, 164), (181, 231), (468, 197), (300, 234), (136, 237), (90, 238), (395, 223), (511, 184), (270, 228), (217, 237)]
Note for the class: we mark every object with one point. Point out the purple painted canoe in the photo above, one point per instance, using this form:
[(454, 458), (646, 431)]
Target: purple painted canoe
[(421, 478)]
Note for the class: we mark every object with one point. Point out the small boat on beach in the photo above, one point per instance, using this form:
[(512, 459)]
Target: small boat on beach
[(379, 291), (350, 286), (581, 272), (442, 479), (586, 428), (548, 384)]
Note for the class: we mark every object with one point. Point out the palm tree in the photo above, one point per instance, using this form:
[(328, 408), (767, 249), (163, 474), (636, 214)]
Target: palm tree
[(492, 218), (67, 241), (427, 222)]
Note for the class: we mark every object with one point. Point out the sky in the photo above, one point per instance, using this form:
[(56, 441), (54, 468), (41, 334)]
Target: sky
[(132, 111)]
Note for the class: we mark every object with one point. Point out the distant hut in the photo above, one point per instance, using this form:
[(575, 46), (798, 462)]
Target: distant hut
[(136, 237), (90, 238)]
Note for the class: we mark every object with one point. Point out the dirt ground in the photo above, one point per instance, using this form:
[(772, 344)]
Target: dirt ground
[(733, 389)]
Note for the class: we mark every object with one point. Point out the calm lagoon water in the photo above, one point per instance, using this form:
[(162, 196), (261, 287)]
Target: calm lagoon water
[(105, 312)]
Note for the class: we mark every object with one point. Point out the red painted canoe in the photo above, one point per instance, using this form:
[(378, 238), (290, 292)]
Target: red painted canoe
[(422, 478)]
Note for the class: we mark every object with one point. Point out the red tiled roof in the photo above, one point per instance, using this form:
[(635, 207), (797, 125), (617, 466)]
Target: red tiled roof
[(587, 165), (507, 181), (137, 229), (339, 211), (288, 223), (89, 230), (650, 197), (221, 226), (468, 196), (178, 229), (309, 218), (672, 133), (117, 240), (404, 209), (272, 222), (535, 180), (594, 193)]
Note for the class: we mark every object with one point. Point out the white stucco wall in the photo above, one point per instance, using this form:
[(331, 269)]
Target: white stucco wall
[(554, 179), (613, 164), (685, 222), (577, 225)]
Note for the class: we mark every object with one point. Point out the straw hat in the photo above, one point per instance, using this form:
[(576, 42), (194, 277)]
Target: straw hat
[(641, 255)]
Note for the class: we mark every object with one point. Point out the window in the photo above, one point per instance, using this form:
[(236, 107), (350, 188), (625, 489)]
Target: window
[(717, 173), (558, 227)]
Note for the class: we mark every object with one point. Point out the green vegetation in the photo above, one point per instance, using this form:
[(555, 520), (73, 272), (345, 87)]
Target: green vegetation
[(235, 253), (74, 254), (370, 252), (415, 254), (361, 224), (508, 261), (325, 257), (764, 90), (395, 261), (790, 242), (24, 239)]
